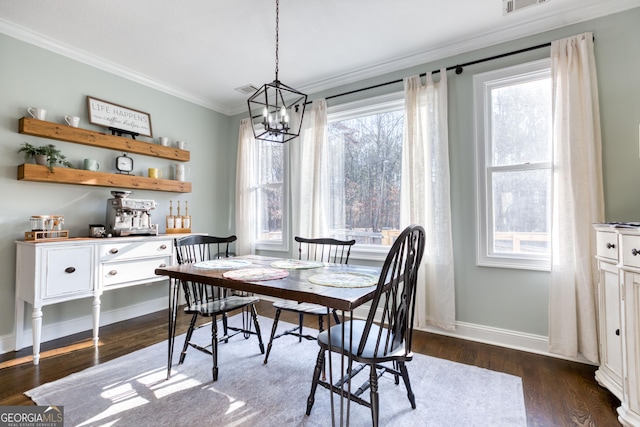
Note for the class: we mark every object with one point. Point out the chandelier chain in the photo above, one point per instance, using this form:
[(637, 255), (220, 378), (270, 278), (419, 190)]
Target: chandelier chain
[(277, 37)]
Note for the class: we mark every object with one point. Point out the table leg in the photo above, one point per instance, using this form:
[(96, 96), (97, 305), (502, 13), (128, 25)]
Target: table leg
[(36, 325), (96, 320), (173, 312), (19, 324)]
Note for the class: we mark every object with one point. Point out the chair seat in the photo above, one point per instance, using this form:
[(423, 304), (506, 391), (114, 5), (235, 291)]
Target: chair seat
[(369, 354), (301, 307), (220, 306)]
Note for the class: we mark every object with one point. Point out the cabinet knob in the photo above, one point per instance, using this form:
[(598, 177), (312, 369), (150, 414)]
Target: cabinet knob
[(113, 251), (113, 272), (618, 332), (163, 265), (610, 246), (635, 252), (70, 270), (163, 247)]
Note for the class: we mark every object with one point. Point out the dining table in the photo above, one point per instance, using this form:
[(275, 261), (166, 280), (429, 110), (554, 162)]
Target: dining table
[(343, 287)]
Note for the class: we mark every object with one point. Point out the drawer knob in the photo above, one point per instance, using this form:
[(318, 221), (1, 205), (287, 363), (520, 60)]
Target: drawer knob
[(70, 270), (618, 332), (635, 252), (163, 247), (113, 272), (163, 265), (113, 251), (610, 246)]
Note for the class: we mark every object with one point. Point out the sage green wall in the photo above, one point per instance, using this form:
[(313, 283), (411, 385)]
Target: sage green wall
[(31, 76), (508, 299), (517, 300)]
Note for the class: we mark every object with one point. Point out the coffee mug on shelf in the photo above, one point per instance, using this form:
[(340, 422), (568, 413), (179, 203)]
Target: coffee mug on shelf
[(164, 141), (155, 173), (181, 145), (91, 165), (37, 113), (73, 121)]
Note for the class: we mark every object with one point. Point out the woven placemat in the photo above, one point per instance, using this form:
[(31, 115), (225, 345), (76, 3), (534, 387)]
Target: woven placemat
[(344, 280), (222, 264), (255, 274), (296, 264)]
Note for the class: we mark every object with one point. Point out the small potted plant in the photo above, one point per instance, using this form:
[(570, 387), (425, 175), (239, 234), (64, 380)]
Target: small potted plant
[(46, 155)]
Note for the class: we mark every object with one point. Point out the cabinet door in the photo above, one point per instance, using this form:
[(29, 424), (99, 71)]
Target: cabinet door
[(610, 371), (67, 272), (631, 413)]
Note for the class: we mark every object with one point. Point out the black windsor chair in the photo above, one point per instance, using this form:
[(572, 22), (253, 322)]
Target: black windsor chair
[(324, 250), (211, 301), (385, 337)]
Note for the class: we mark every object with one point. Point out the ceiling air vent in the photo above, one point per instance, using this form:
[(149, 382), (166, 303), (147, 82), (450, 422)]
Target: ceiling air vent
[(510, 6), (246, 89)]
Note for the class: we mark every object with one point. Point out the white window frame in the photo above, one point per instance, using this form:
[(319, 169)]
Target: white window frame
[(275, 245), (482, 84), (378, 104)]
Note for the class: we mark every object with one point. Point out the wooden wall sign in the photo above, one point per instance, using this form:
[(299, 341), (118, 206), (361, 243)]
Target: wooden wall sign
[(118, 118)]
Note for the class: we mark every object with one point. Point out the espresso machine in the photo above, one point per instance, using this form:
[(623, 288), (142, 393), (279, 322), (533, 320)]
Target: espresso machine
[(130, 217)]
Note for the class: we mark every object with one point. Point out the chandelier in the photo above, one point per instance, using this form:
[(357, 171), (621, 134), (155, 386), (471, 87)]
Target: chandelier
[(276, 104)]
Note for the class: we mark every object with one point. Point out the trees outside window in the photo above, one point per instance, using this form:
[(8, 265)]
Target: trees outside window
[(514, 166), (366, 149)]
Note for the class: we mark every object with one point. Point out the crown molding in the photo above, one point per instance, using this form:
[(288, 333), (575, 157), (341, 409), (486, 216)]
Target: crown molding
[(518, 30), (37, 39)]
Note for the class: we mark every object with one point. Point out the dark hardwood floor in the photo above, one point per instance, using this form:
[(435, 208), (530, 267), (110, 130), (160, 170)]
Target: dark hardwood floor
[(556, 392)]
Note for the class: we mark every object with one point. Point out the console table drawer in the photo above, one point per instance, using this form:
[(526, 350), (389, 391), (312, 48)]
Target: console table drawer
[(630, 250), (607, 244), (133, 250), (116, 273)]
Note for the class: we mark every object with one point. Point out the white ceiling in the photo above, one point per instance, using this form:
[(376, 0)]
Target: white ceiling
[(201, 50)]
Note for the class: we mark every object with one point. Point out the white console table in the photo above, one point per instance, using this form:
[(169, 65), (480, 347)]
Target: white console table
[(618, 255), (50, 272)]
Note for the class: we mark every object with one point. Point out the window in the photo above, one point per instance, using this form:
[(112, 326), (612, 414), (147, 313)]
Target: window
[(271, 200), (365, 140), (514, 166)]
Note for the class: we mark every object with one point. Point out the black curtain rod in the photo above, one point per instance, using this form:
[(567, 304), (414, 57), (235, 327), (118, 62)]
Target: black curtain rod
[(459, 69)]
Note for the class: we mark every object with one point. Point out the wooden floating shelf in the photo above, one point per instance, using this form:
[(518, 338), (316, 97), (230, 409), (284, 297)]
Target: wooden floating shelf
[(44, 129), (60, 175)]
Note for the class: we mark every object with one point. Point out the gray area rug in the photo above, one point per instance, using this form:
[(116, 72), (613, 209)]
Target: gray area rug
[(133, 391)]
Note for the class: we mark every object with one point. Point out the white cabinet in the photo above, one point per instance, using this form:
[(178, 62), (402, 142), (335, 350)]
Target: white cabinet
[(49, 274), (63, 270), (618, 255)]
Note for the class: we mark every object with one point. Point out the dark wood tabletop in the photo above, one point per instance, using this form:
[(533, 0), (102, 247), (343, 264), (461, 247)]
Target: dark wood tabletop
[(296, 286)]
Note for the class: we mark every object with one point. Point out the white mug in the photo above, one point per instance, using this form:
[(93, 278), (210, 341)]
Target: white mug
[(181, 145), (164, 141), (181, 172), (37, 113), (73, 121), (91, 165)]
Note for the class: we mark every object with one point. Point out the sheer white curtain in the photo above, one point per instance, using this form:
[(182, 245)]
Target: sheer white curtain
[(578, 198), (310, 174), (245, 209), (425, 196)]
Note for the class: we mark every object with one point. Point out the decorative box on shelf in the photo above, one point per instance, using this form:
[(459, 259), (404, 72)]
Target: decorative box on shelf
[(46, 235)]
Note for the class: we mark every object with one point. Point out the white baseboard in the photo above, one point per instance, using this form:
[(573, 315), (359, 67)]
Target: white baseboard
[(81, 324)]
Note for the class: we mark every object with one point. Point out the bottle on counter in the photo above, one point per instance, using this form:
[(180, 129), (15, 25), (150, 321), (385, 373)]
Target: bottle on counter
[(170, 218), (186, 218), (178, 219)]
